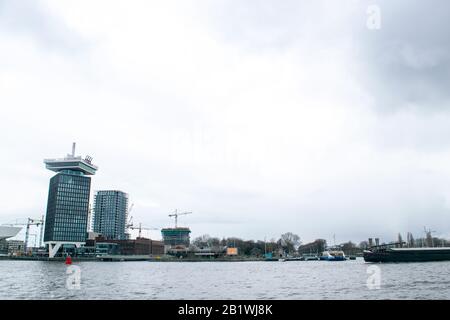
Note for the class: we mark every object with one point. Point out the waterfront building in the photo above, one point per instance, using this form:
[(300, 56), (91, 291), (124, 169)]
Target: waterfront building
[(11, 246), (105, 248), (15, 246), (3, 247), (138, 246), (315, 247), (67, 216), (110, 214)]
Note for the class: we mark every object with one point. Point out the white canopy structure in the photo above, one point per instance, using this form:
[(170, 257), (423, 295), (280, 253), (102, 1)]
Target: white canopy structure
[(8, 232)]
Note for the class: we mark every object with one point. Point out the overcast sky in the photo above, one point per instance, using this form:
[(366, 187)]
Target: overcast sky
[(258, 116)]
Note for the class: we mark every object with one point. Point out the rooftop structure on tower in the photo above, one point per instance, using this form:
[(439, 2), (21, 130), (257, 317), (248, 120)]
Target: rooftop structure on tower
[(73, 163)]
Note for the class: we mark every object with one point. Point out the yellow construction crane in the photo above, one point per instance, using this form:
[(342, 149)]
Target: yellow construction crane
[(176, 214)]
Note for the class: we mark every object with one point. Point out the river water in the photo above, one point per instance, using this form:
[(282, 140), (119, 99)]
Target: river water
[(224, 280)]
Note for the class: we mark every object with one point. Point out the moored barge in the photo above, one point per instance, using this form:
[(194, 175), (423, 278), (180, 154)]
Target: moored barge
[(386, 253)]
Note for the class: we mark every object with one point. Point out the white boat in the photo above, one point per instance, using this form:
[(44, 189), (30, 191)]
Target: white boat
[(310, 257), (8, 232), (333, 255)]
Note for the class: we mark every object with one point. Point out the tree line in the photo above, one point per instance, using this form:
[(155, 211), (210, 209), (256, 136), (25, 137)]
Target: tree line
[(291, 244), (288, 243)]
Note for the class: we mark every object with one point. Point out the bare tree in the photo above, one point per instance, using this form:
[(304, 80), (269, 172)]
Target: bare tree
[(289, 241), (201, 241)]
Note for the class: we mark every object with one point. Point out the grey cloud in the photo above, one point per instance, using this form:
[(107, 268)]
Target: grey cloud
[(407, 62), (33, 19)]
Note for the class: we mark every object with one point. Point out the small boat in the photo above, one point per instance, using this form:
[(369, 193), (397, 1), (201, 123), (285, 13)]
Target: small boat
[(295, 259), (269, 257), (310, 257), (281, 260), (333, 255)]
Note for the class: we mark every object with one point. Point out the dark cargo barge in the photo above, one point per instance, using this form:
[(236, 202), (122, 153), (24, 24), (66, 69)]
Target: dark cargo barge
[(386, 253)]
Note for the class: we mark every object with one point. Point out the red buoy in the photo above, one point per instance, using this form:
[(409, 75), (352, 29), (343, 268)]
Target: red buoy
[(68, 260)]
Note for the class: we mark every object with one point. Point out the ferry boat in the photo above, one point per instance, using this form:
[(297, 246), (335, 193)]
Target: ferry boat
[(333, 255)]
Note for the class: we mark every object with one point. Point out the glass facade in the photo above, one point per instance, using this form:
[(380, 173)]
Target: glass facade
[(176, 236), (110, 214), (68, 207)]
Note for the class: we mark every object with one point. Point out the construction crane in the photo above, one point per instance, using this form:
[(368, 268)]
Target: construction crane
[(32, 222), (130, 221), (35, 222), (130, 224), (428, 236), (140, 228), (35, 238), (176, 214)]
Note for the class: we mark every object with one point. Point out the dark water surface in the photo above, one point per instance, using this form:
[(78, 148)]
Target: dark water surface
[(224, 280)]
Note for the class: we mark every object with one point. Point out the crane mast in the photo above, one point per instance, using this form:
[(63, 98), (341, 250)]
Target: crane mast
[(140, 228), (176, 214), (33, 222), (130, 224)]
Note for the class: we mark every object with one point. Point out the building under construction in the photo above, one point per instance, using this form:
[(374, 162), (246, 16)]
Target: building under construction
[(176, 236)]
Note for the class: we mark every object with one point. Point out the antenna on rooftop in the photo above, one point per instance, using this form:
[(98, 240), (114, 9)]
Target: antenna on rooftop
[(73, 149)]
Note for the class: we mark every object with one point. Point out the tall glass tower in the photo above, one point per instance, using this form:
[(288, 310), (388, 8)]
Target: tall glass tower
[(68, 201), (110, 214)]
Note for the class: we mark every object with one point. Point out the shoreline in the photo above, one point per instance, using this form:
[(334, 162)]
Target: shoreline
[(127, 259)]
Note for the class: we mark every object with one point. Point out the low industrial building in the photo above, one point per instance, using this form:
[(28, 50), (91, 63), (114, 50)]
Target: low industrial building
[(106, 248), (316, 247), (3, 246), (139, 246), (11, 246)]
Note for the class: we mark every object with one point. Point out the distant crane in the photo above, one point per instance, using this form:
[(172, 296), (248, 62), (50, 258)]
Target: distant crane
[(130, 221), (35, 238), (429, 237), (32, 222), (35, 222), (140, 228), (176, 214)]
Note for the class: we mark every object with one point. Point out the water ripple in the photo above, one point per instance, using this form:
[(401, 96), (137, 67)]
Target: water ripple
[(223, 280)]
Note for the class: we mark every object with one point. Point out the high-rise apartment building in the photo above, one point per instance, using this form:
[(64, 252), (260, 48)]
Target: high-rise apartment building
[(110, 214)]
